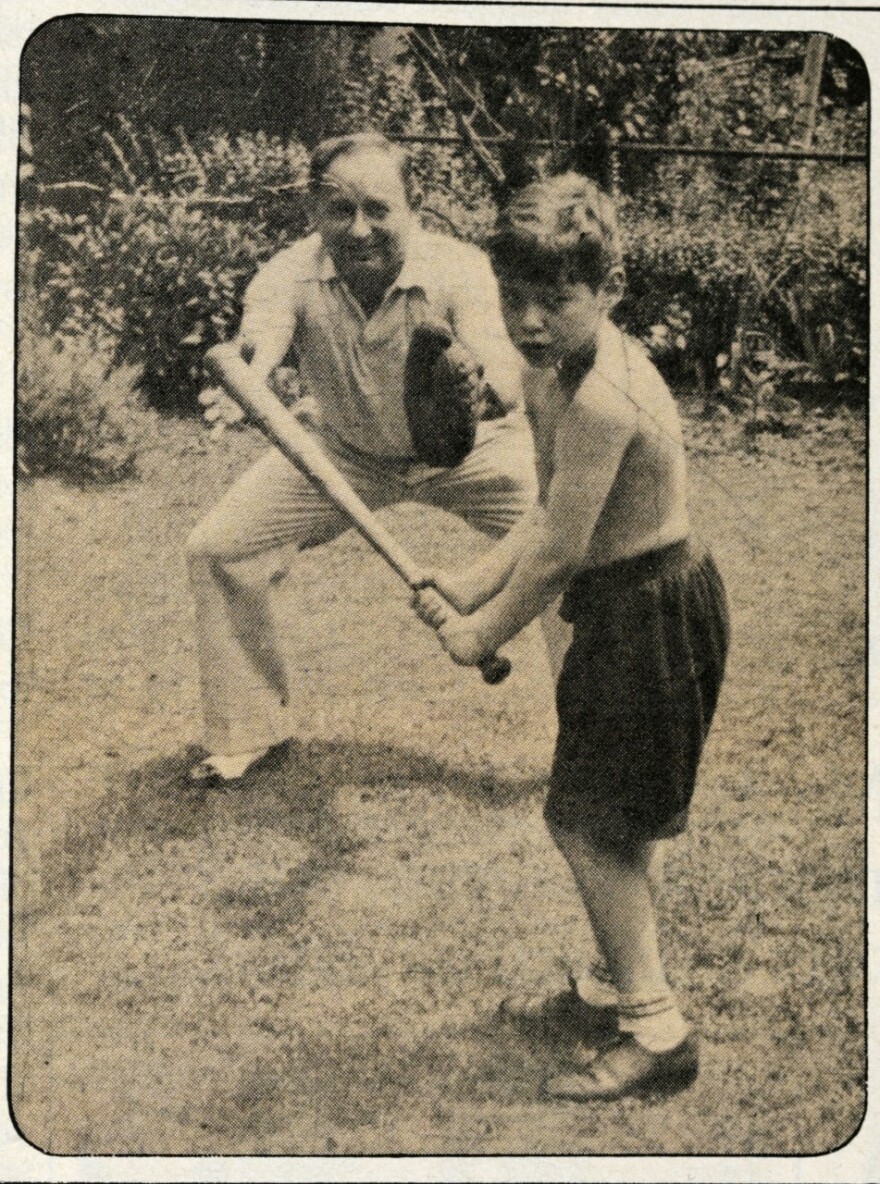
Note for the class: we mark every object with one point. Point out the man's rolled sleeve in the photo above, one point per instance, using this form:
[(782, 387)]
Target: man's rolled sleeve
[(270, 306)]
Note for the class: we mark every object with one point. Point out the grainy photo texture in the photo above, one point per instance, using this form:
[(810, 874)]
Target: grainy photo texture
[(440, 588)]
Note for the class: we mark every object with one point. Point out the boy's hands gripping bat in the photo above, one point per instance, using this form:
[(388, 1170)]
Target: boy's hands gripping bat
[(279, 425)]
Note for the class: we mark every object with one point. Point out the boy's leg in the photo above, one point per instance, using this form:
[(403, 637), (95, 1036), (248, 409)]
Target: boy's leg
[(235, 555), (618, 886)]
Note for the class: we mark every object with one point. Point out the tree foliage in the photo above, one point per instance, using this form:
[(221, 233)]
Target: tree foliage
[(167, 154)]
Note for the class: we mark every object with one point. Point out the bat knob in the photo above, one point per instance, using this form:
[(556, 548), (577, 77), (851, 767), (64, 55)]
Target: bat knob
[(495, 669)]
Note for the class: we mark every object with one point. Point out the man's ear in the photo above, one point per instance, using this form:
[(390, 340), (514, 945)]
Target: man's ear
[(311, 205)]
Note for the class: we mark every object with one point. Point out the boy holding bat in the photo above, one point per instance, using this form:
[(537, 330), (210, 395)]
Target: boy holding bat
[(640, 680)]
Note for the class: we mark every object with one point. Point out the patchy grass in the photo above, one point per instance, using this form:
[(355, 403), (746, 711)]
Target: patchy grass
[(314, 964)]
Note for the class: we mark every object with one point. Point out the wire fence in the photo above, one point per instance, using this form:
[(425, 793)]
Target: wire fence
[(656, 149)]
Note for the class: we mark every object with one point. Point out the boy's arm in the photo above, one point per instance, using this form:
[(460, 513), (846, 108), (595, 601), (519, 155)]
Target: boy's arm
[(466, 591), (590, 445)]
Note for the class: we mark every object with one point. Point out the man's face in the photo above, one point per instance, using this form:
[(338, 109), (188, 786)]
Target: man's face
[(363, 216), (549, 322)]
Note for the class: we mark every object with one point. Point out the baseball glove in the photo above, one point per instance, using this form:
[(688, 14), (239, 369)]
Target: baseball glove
[(444, 395)]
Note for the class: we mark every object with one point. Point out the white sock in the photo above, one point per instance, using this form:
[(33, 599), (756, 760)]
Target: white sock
[(654, 1019), (602, 991)]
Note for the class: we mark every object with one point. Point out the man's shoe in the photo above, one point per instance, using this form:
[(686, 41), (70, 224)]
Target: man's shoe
[(563, 1013), (228, 772), (625, 1067)]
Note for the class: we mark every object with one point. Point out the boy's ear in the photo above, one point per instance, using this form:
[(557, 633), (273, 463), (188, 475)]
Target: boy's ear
[(613, 287)]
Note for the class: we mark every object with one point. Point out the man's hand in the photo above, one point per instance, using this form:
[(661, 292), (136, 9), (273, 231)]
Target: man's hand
[(465, 373), (219, 411)]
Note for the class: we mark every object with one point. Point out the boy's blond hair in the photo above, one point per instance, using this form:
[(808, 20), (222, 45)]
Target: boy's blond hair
[(558, 229)]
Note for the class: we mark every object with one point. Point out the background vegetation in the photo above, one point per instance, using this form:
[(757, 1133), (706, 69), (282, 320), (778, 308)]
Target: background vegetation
[(163, 161)]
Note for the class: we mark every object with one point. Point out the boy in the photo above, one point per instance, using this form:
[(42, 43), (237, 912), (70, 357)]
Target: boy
[(640, 680)]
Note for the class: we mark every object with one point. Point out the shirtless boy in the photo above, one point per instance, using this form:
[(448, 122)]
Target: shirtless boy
[(640, 680)]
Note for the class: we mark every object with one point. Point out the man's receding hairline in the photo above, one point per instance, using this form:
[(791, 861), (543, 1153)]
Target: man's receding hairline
[(336, 148)]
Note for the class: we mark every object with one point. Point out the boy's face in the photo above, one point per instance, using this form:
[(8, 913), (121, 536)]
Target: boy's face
[(549, 322)]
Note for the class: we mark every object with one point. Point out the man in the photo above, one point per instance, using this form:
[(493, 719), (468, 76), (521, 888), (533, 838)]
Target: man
[(346, 298)]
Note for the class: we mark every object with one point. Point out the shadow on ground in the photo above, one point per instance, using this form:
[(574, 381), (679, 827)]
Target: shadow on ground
[(292, 796), (363, 1077)]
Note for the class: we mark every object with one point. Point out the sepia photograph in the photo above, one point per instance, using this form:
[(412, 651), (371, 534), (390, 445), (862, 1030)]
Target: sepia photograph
[(440, 587)]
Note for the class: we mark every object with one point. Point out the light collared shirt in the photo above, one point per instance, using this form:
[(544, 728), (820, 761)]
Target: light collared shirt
[(353, 364)]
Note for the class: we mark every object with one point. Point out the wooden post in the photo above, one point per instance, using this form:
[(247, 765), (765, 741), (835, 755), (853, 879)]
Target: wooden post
[(811, 81), (25, 150), (803, 134)]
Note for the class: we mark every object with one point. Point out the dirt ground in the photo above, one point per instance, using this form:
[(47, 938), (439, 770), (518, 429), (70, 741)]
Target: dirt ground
[(314, 964)]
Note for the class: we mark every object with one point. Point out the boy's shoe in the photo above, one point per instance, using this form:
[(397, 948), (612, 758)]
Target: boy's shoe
[(625, 1067), (564, 1012), (228, 772)]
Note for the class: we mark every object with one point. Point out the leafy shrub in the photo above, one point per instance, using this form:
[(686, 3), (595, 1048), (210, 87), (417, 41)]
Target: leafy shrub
[(795, 285), (161, 271), (71, 411)]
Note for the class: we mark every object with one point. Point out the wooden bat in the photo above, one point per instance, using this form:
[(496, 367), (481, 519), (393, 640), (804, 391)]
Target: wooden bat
[(294, 442)]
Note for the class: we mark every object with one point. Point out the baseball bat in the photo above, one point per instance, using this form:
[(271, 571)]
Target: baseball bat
[(294, 442)]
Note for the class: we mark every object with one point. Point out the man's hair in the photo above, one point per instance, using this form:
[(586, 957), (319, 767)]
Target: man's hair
[(560, 229), (329, 150)]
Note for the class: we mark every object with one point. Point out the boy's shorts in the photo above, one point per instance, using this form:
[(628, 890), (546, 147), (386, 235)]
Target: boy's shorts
[(637, 693)]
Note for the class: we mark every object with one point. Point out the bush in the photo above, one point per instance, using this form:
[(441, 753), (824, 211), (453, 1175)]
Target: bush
[(795, 283), (161, 272), (71, 409)]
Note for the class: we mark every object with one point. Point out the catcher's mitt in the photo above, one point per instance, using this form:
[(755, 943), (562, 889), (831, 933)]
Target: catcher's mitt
[(444, 396)]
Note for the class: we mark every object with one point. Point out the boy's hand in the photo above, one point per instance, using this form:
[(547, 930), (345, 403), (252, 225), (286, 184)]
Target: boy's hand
[(431, 607), (462, 642), (457, 590), (458, 637)]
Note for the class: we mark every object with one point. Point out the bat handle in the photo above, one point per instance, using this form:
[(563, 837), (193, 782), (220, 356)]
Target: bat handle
[(495, 669)]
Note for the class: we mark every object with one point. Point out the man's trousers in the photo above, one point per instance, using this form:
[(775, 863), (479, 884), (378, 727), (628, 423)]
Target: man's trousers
[(246, 544)]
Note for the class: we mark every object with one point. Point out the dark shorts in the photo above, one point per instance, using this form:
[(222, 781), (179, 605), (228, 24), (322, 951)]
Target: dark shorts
[(637, 693)]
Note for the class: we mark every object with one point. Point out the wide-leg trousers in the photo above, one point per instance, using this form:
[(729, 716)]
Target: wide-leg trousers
[(244, 548)]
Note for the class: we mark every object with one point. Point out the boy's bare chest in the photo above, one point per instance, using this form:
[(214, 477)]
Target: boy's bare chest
[(545, 406)]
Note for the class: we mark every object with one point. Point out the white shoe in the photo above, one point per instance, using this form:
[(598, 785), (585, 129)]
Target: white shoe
[(220, 769)]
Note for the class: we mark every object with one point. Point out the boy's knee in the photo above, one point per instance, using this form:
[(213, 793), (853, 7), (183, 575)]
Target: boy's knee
[(566, 838), (578, 839)]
